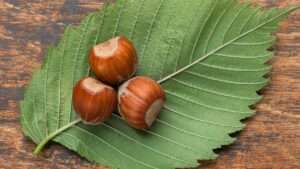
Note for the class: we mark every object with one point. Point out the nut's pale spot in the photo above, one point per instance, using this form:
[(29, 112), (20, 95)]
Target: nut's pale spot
[(107, 49), (153, 111), (93, 85), (123, 90)]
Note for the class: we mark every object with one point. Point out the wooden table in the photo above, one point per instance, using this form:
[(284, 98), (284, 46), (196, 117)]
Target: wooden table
[(270, 140)]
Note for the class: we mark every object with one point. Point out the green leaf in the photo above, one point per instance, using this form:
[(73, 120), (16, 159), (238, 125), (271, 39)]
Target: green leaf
[(209, 56)]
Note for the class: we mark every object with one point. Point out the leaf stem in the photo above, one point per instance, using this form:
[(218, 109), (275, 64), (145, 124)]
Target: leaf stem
[(42, 144)]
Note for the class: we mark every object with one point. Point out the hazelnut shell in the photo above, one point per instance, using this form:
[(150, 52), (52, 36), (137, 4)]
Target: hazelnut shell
[(93, 101), (140, 101), (113, 61)]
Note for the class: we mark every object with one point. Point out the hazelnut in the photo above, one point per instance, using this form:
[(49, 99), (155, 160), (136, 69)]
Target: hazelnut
[(140, 101), (113, 61), (93, 101)]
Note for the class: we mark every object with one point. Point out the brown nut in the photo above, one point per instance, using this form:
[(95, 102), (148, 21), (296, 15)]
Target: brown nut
[(140, 101), (113, 61), (93, 101)]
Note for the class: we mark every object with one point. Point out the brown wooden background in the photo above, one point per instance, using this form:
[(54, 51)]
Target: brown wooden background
[(271, 139)]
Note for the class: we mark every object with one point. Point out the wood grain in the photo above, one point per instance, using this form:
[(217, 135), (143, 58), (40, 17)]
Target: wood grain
[(271, 139)]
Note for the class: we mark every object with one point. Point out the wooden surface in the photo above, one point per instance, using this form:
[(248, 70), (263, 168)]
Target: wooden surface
[(271, 139)]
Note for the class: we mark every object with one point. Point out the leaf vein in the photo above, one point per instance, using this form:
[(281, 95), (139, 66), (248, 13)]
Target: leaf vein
[(149, 31), (223, 46), (202, 104), (266, 68), (119, 18), (75, 60), (212, 32), (160, 136), (225, 81), (116, 149), (137, 16), (142, 144), (234, 20), (187, 132), (214, 92), (197, 119), (244, 57)]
